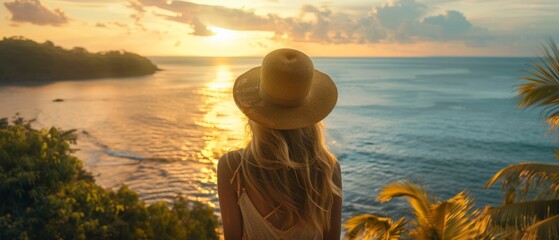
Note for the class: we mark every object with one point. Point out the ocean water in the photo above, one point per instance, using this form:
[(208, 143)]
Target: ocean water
[(448, 123)]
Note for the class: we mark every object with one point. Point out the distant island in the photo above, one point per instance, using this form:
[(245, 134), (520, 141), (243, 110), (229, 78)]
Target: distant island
[(26, 60)]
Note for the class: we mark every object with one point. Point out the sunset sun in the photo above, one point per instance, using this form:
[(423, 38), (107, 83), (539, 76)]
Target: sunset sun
[(222, 35)]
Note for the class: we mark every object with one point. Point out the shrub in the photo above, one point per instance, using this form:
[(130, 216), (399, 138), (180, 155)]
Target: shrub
[(46, 194)]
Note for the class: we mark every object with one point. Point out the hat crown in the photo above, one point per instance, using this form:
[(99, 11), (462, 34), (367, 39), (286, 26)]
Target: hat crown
[(286, 77)]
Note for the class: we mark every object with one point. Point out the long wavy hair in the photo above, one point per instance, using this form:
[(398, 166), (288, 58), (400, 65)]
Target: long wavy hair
[(292, 169)]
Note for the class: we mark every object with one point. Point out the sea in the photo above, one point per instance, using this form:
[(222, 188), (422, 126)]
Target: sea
[(448, 124)]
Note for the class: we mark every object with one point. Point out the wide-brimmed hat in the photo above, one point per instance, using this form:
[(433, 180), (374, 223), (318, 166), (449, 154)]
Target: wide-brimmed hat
[(286, 92)]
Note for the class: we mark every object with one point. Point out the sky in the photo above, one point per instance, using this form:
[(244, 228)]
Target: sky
[(352, 28)]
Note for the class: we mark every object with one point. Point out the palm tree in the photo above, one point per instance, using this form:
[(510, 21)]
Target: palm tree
[(542, 85), (450, 219), (531, 206), (370, 226)]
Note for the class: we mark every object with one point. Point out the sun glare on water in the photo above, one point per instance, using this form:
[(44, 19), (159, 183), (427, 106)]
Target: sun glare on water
[(224, 123)]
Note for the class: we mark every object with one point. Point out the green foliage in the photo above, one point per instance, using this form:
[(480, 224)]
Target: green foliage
[(531, 205), (524, 181), (542, 85), (520, 217), (25, 60), (47, 195)]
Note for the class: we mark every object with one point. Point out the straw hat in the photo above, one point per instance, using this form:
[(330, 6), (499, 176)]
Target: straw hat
[(286, 92)]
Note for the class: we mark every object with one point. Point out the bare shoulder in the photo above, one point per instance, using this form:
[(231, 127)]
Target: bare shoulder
[(337, 174), (337, 167), (228, 163)]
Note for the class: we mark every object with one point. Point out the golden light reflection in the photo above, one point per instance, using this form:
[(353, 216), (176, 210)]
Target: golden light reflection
[(224, 124)]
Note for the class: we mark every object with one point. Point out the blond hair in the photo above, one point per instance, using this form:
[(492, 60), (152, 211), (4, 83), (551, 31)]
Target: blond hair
[(292, 169)]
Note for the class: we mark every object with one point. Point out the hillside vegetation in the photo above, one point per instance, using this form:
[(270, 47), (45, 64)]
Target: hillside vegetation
[(46, 194), (26, 60)]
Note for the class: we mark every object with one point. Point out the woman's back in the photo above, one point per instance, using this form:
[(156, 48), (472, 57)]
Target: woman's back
[(285, 184), (257, 226), (261, 220)]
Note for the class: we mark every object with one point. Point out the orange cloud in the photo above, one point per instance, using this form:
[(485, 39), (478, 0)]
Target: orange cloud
[(396, 21), (32, 11)]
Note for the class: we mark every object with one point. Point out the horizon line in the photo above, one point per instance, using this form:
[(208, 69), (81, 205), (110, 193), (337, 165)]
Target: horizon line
[(443, 56)]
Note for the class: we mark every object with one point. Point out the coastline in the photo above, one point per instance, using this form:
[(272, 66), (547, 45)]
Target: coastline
[(22, 59)]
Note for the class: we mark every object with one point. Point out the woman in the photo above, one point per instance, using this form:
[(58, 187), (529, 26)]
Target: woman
[(285, 184)]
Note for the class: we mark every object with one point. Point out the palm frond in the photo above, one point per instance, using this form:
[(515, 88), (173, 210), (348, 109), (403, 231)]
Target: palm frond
[(528, 179), (545, 229), (415, 195), (488, 231), (499, 232), (542, 84), (550, 58), (454, 218), (369, 226), (523, 214)]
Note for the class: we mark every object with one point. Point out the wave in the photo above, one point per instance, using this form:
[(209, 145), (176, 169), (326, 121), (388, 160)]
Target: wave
[(121, 153)]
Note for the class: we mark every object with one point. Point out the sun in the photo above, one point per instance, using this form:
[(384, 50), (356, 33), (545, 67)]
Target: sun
[(222, 34)]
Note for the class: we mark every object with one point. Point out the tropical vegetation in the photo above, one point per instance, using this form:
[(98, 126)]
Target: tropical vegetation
[(531, 205), (46, 194), (26, 60), (454, 218)]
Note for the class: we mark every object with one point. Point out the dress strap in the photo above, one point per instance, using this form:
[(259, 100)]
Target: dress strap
[(272, 212), (236, 174), (238, 184)]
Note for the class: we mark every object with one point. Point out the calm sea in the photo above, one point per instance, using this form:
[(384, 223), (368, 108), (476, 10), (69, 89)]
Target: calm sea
[(450, 123)]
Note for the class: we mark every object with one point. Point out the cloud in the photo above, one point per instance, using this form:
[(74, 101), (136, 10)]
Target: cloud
[(199, 28), (200, 16), (136, 5), (392, 21), (111, 24), (450, 24), (32, 11), (393, 14)]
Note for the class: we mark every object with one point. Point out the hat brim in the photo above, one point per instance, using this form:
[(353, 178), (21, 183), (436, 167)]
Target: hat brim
[(322, 99)]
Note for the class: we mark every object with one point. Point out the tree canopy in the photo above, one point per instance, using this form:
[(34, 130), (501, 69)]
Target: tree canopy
[(47, 195), (26, 60)]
